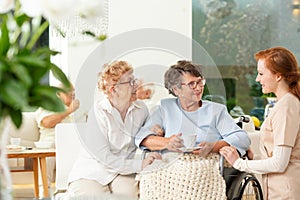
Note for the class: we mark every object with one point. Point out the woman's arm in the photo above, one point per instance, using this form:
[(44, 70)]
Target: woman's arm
[(231, 133), (275, 164), (154, 142)]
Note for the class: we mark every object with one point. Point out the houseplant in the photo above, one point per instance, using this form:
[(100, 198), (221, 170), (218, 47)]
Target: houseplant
[(23, 65)]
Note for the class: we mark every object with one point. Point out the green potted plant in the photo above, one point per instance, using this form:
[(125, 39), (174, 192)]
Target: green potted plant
[(23, 64), (22, 67)]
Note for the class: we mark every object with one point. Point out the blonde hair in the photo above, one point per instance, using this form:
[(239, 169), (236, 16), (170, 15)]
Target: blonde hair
[(111, 74)]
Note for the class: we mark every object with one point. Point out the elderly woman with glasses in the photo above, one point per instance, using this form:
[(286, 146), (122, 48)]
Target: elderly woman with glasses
[(189, 114), (108, 165)]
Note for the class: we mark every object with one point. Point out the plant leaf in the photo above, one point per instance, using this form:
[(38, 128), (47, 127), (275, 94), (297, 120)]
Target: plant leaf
[(50, 104), (59, 75), (16, 117), (14, 93), (22, 74), (20, 19), (32, 60), (46, 97), (4, 39), (3, 68)]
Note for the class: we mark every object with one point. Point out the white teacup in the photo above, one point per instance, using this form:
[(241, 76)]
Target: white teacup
[(15, 141), (189, 140)]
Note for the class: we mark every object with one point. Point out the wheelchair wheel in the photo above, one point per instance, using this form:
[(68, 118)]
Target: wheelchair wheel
[(244, 186)]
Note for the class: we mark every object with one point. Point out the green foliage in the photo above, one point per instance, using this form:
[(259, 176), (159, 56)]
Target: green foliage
[(22, 67), (255, 90), (268, 95), (231, 103)]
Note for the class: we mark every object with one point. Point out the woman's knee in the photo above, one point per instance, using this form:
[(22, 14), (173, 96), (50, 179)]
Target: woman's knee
[(125, 185), (86, 187)]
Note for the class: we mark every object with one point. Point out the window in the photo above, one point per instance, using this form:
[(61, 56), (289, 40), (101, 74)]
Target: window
[(232, 31)]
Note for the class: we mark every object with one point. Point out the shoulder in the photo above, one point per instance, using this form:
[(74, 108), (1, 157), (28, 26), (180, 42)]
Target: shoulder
[(168, 101), (139, 104), (288, 101), (291, 99), (211, 104), (40, 113)]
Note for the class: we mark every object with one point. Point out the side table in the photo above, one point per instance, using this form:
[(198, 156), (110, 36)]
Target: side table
[(38, 156)]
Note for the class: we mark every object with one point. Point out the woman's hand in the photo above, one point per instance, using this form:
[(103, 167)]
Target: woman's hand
[(175, 142), (143, 93), (158, 130), (150, 159), (206, 148), (250, 154), (230, 153)]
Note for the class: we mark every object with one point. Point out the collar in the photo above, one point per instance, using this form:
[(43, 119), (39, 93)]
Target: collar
[(106, 105)]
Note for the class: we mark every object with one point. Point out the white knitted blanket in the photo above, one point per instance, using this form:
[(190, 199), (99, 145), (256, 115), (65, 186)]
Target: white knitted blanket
[(184, 176)]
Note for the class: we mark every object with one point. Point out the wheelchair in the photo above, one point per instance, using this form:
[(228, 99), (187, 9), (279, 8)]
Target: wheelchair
[(239, 185)]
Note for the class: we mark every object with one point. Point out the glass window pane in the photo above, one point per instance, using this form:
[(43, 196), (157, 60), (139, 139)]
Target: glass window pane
[(232, 31)]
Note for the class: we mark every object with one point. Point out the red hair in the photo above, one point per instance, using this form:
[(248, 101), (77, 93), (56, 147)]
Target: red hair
[(281, 61)]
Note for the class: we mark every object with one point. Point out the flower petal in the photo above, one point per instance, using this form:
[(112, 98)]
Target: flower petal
[(6, 5)]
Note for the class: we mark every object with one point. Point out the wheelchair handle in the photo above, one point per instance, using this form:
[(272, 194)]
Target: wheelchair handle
[(244, 119)]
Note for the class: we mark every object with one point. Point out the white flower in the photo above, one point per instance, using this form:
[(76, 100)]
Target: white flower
[(6, 5), (57, 10), (53, 10), (32, 8)]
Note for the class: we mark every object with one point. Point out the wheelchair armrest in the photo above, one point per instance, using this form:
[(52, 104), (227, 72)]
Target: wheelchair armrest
[(144, 152)]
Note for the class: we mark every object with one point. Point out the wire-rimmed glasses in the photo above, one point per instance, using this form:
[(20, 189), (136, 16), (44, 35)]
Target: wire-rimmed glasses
[(131, 82)]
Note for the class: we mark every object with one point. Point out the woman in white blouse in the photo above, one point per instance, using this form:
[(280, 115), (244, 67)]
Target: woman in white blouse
[(107, 165), (278, 72)]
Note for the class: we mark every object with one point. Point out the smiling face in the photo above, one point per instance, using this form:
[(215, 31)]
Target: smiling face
[(266, 78), (185, 93)]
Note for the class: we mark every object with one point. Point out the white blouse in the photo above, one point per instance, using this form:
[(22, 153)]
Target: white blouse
[(109, 143)]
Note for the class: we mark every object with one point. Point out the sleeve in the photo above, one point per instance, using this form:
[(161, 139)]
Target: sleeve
[(286, 124), (40, 113), (97, 145), (277, 163), (155, 118), (231, 133)]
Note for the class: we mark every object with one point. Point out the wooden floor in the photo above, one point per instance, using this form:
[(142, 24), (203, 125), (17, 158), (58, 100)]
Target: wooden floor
[(26, 192)]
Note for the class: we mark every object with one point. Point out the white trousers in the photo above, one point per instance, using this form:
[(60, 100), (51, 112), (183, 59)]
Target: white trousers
[(122, 185)]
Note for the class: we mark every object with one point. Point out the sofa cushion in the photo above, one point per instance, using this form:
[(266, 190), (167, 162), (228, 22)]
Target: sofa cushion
[(28, 132)]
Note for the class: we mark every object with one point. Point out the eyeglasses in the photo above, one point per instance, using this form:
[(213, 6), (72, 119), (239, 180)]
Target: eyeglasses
[(132, 82), (193, 84)]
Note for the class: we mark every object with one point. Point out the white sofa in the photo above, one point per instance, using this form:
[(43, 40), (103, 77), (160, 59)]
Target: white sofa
[(28, 132)]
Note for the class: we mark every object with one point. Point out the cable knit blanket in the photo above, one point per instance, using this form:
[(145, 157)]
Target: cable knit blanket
[(183, 176)]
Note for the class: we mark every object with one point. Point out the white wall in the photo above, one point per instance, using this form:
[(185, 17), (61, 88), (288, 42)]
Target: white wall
[(172, 15)]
